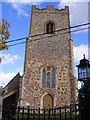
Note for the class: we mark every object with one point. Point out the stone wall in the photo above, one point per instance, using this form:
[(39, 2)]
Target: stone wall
[(48, 50)]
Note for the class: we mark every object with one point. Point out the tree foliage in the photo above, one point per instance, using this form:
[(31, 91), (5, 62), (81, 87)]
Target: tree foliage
[(84, 100), (4, 34)]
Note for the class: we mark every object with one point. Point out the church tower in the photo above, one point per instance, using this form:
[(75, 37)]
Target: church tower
[(48, 79)]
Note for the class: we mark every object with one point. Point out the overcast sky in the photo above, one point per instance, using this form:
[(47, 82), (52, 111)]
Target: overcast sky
[(18, 13)]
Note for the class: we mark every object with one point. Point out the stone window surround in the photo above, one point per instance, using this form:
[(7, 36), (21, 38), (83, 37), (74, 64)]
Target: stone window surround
[(51, 68)]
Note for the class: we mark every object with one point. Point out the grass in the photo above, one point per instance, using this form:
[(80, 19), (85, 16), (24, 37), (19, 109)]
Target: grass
[(52, 117)]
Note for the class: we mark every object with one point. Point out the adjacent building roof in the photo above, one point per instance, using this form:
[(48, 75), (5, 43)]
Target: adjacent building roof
[(12, 85)]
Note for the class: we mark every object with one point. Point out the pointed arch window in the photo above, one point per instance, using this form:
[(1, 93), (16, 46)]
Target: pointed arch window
[(53, 78), (43, 77), (50, 28), (48, 77)]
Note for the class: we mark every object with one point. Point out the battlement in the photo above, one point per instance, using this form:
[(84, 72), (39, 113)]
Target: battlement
[(50, 9)]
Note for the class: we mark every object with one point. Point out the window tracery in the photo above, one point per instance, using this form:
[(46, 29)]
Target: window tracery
[(48, 77)]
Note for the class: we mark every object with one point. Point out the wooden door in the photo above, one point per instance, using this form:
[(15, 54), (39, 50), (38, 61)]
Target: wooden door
[(47, 101)]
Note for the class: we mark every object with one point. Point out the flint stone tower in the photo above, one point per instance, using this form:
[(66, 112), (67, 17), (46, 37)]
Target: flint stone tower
[(48, 79)]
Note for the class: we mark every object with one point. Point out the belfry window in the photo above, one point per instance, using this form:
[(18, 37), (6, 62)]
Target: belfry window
[(50, 28), (48, 77)]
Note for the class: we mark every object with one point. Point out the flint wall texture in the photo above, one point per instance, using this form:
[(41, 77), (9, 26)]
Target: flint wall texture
[(54, 50)]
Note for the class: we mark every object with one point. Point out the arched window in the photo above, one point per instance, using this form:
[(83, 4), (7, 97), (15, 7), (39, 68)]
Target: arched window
[(48, 77), (43, 77), (50, 28), (53, 78)]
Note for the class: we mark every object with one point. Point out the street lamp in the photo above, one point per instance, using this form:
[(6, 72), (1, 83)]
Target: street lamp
[(83, 70)]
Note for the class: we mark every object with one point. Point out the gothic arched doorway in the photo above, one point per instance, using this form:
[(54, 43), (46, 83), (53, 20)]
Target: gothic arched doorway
[(47, 101)]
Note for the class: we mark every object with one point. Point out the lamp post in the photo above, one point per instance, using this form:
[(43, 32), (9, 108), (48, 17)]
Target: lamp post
[(84, 92), (83, 70)]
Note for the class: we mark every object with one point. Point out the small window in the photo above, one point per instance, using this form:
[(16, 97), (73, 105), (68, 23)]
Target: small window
[(48, 79), (43, 77), (50, 28), (53, 78), (47, 28)]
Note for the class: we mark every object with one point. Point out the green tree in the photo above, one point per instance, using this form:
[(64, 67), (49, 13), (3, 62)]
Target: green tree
[(84, 100), (4, 34)]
